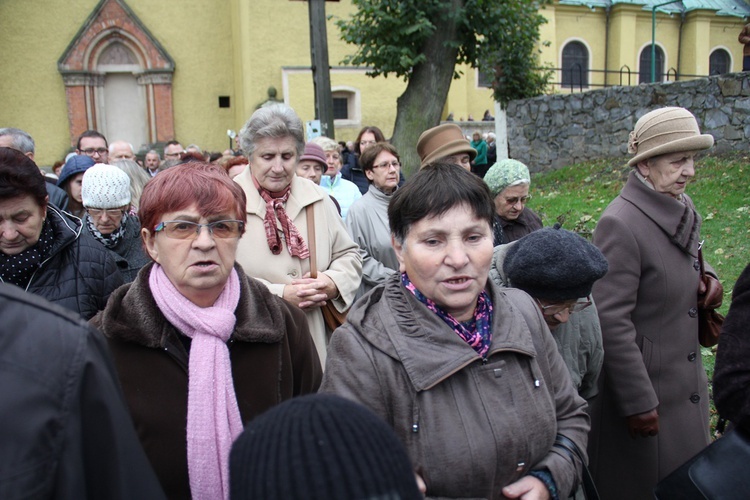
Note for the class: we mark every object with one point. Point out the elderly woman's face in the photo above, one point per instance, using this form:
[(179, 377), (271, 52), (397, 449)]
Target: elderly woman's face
[(460, 159), (21, 221), (669, 173), (109, 220), (199, 265), (310, 169), (333, 160), (509, 204), (385, 172), (273, 162), (448, 259)]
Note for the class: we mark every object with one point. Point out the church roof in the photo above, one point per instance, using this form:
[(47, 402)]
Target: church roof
[(734, 8)]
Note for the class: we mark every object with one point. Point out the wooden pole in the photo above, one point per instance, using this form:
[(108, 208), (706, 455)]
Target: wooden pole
[(320, 67)]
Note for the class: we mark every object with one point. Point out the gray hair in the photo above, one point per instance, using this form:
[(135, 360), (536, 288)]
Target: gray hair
[(153, 152), (112, 144), (326, 143), (138, 179), (22, 141), (275, 121)]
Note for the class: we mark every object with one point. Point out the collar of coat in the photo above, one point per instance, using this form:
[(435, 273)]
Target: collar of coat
[(303, 193), (67, 229), (132, 315), (678, 220), (395, 322)]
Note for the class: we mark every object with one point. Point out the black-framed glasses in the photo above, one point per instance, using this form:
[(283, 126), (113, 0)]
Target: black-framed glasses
[(552, 309), (514, 201), (93, 151), (112, 213), (388, 164), (186, 230)]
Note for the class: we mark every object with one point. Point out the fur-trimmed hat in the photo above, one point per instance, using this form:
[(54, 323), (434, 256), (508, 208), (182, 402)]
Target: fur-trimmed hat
[(666, 130), (74, 165), (315, 153), (441, 141), (554, 264), (105, 186), (320, 446), (506, 173)]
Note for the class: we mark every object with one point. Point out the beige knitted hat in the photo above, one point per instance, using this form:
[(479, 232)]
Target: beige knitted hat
[(666, 130), (441, 141), (105, 186)]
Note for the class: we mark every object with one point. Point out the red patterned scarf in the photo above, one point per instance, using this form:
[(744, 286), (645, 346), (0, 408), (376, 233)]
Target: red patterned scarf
[(275, 202)]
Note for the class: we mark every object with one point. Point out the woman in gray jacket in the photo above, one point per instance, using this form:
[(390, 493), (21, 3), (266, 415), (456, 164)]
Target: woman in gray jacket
[(466, 373)]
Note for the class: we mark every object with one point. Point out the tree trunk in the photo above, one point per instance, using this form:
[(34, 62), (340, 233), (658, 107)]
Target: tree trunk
[(421, 104), (501, 132)]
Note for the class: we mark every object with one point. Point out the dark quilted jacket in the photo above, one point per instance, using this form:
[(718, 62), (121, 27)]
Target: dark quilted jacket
[(80, 273), (128, 254)]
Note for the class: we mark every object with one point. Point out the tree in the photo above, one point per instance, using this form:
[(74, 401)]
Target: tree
[(422, 41)]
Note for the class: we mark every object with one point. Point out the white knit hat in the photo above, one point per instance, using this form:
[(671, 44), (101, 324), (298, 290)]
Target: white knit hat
[(105, 186)]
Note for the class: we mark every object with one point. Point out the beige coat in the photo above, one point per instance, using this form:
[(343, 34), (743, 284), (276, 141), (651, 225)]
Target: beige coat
[(337, 255)]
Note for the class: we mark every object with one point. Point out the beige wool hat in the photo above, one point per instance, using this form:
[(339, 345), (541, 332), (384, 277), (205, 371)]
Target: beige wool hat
[(666, 130), (441, 141)]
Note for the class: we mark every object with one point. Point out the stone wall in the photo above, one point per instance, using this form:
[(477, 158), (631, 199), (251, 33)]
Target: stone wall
[(552, 131)]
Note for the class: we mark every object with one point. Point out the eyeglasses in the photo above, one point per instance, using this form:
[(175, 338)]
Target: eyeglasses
[(388, 164), (367, 143), (93, 151), (112, 213), (514, 201), (186, 230), (173, 155), (552, 309)]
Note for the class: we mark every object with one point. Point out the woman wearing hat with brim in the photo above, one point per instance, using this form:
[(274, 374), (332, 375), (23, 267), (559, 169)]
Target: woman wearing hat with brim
[(445, 144), (651, 414), (108, 218)]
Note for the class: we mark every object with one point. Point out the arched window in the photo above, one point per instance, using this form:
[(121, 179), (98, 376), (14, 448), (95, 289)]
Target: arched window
[(644, 73), (575, 65), (719, 62)]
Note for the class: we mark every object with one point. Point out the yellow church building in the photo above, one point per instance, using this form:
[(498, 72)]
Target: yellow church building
[(148, 72)]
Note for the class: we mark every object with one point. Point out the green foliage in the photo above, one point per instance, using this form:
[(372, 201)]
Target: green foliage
[(390, 35)]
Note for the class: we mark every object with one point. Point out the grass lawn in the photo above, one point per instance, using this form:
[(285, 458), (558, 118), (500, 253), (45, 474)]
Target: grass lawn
[(577, 195)]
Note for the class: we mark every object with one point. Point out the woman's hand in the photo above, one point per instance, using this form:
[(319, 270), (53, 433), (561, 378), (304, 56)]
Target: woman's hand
[(644, 424), (527, 488), (307, 292)]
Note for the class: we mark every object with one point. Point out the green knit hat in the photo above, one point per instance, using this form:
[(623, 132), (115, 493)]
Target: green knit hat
[(506, 173)]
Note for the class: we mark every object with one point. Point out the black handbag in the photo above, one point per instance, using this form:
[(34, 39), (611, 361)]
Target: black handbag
[(720, 471), (571, 449)]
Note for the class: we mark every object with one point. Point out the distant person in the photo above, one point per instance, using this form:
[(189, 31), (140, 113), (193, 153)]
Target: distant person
[(70, 181), (491, 149), (332, 182), (42, 249), (153, 161), (479, 165), (445, 144), (66, 430), (509, 182), (18, 139), (121, 150), (106, 197), (311, 166), (449, 118), (138, 180), (234, 165), (744, 39), (487, 116), (352, 170), (367, 222), (93, 144), (173, 152), (558, 268), (349, 453)]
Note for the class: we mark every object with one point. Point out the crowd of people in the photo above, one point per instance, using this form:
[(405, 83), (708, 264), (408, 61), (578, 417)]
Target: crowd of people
[(459, 349)]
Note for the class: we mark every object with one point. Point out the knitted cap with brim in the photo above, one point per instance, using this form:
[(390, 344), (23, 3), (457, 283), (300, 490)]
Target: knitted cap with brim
[(441, 141), (76, 164), (320, 447), (105, 186), (506, 173), (554, 264), (666, 130), (315, 153)]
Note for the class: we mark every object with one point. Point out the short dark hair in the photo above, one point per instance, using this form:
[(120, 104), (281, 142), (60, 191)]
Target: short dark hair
[(19, 176), (435, 190), (172, 143), (367, 160), (379, 137), (91, 133)]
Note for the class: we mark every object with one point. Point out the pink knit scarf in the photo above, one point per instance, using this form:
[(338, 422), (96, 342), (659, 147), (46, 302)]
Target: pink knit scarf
[(213, 417)]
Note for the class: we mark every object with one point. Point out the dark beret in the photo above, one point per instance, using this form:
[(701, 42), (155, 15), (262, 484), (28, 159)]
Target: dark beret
[(554, 264)]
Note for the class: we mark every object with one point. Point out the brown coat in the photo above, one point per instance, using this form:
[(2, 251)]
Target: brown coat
[(647, 308), (273, 359), (471, 425)]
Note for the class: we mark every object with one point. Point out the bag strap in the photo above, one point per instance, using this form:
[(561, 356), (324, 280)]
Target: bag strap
[(700, 259), (571, 449), (311, 241)]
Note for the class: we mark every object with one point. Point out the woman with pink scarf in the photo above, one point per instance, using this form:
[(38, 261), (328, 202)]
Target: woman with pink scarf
[(200, 347)]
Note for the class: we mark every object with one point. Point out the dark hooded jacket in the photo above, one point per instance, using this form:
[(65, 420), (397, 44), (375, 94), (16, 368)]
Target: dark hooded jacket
[(128, 253)]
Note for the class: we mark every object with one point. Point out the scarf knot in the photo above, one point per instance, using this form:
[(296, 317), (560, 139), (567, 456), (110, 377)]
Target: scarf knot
[(275, 210), (213, 415)]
